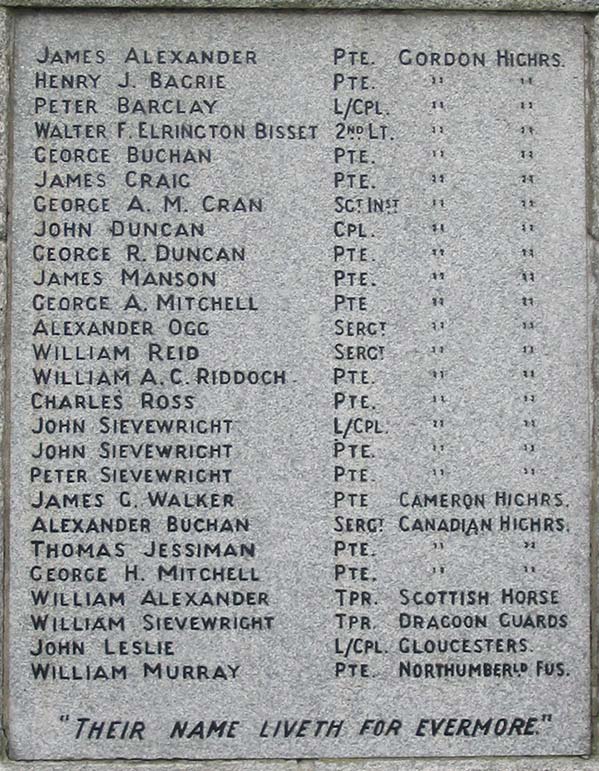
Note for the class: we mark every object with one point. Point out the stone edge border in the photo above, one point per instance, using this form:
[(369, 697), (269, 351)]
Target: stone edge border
[(589, 7), (523, 6)]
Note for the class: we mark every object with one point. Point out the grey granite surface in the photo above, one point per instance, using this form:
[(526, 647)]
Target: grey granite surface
[(379, 765)]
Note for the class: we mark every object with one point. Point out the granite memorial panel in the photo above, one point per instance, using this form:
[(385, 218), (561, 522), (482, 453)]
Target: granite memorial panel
[(299, 386)]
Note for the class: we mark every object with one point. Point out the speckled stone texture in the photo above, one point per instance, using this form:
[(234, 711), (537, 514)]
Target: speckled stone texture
[(4, 112), (570, 6), (499, 764), (213, 765), (453, 764)]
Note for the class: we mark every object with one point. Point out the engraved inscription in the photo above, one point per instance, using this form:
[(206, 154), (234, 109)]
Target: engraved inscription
[(299, 425)]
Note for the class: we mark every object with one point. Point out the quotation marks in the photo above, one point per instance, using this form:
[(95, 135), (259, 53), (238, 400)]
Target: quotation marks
[(546, 717)]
